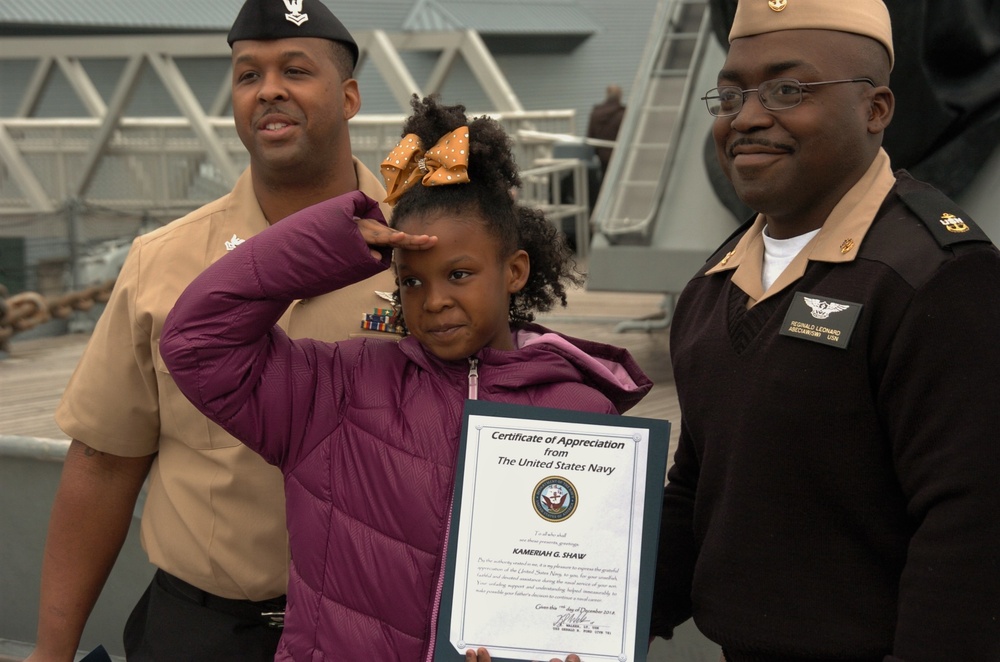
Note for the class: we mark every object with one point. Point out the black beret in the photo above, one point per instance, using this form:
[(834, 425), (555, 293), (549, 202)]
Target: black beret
[(282, 19)]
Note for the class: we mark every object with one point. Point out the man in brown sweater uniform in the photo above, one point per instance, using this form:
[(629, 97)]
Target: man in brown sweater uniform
[(834, 495)]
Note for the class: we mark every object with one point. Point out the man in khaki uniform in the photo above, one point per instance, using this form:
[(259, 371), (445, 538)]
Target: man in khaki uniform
[(214, 522)]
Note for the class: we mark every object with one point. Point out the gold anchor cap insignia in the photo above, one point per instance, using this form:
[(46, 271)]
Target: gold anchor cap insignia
[(953, 223), (777, 5)]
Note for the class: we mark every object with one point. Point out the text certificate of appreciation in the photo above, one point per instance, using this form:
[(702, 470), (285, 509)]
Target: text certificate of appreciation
[(552, 546)]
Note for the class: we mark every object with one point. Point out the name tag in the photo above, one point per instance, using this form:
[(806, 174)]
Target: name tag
[(821, 319)]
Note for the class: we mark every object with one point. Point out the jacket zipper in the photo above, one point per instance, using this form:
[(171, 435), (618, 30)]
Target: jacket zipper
[(435, 611), (473, 378)]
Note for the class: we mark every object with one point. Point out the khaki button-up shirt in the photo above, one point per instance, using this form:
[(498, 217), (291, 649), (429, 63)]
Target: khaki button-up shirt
[(214, 513)]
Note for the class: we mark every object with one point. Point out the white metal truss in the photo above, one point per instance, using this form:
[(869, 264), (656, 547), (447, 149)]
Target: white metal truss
[(40, 178)]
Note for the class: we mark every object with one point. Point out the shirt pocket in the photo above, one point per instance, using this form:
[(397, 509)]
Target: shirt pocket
[(179, 419)]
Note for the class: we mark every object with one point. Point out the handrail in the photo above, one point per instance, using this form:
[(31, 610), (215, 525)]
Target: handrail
[(639, 170), (33, 448), (162, 163)]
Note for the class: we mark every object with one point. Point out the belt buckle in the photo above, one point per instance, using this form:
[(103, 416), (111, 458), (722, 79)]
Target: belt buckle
[(276, 619)]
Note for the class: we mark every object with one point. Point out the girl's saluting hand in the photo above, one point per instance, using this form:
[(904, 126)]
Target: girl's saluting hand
[(378, 234), (371, 224)]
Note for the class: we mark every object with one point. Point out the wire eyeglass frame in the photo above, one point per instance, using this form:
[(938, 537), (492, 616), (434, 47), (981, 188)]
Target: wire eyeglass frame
[(767, 94)]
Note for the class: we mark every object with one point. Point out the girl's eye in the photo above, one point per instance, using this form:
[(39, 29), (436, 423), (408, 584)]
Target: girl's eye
[(409, 282), (245, 76), (459, 274)]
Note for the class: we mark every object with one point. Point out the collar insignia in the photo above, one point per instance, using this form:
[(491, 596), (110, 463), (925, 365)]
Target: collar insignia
[(777, 5), (234, 242), (846, 247), (837, 320), (953, 223), (295, 16)]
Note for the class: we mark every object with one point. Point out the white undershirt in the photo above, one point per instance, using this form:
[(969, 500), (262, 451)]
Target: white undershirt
[(779, 253)]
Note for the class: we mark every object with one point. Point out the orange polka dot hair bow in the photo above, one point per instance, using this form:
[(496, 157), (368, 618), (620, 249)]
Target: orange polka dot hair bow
[(447, 162)]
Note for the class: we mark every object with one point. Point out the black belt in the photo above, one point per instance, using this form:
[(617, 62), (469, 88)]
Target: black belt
[(268, 612)]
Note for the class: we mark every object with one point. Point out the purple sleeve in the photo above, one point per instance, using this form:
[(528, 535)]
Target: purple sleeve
[(225, 353)]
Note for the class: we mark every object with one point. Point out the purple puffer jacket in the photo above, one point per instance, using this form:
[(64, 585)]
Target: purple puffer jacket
[(365, 431)]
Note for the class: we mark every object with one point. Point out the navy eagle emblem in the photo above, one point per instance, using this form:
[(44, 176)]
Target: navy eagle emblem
[(823, 309), (554, 498)]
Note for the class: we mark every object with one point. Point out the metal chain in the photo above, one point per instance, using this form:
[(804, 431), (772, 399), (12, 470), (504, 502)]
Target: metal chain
[(26, 310)]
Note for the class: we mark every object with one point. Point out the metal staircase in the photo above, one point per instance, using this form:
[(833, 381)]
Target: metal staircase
[(654, 119)]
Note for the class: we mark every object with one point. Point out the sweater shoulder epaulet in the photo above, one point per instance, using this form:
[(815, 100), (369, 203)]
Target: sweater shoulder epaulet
[(942, 216), (739, 232)]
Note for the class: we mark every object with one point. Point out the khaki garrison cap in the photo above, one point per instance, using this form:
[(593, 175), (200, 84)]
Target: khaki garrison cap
[(869, 18)]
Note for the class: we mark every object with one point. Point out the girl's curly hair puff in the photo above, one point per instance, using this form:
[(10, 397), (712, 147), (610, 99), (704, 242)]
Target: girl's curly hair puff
[(493, 177)]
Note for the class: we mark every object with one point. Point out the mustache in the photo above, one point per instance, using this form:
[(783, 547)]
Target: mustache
[(757, 142), (275, 110)]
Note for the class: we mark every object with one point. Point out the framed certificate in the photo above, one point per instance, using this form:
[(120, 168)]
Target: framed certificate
[(552, 546)]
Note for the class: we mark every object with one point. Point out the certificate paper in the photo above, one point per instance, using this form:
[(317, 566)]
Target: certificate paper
[(552, 546)]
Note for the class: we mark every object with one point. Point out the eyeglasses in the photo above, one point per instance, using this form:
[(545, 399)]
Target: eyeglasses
[(777, 94)]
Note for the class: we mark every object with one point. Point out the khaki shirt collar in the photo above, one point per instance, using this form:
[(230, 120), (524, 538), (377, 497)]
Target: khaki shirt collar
[(241, 219), (245, 216), (837, 241), (371, 185)]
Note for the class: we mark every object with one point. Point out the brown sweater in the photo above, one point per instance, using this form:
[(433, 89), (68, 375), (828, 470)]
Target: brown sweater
[(841, 504)]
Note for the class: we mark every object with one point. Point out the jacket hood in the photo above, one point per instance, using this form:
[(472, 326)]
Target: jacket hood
[(544, 357)]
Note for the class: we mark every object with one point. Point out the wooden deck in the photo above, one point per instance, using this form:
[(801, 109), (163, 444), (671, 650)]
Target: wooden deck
[(35, 372)]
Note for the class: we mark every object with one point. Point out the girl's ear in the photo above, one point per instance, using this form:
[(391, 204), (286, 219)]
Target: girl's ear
[(518, 266)]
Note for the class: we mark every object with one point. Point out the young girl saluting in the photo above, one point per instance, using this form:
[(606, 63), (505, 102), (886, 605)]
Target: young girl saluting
[(366, 431)]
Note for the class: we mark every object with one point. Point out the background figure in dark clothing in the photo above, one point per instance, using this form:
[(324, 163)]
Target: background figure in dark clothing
[(605, 118)]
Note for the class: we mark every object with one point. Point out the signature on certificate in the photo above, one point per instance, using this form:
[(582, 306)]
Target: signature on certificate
[(572, 617)]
